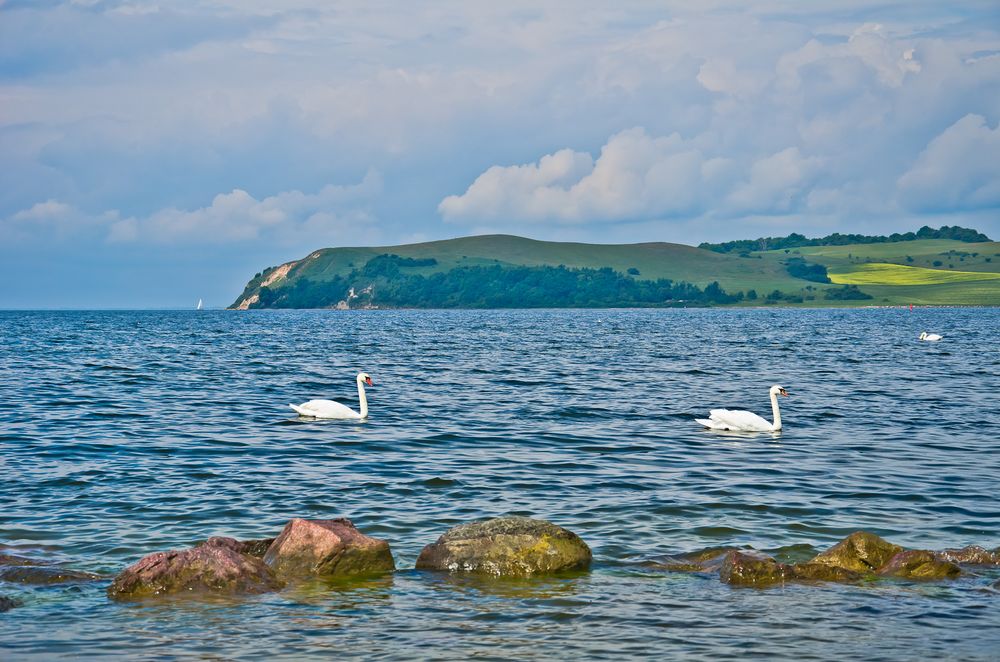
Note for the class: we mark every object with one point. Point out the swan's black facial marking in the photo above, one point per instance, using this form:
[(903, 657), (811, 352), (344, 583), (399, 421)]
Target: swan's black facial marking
[(783, 392)]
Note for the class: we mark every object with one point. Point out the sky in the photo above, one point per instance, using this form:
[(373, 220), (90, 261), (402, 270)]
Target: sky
[(154, 153)]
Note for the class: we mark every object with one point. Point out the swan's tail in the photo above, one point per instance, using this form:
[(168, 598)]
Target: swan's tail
[(707, 423), (299, 410)]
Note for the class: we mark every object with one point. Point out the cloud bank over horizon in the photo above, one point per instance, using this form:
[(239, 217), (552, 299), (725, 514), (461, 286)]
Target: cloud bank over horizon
[(242, 134)]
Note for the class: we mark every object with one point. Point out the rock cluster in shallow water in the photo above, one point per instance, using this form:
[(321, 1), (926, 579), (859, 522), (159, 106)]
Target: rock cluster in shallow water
[(499, 547), (859, 556), (305, 548)]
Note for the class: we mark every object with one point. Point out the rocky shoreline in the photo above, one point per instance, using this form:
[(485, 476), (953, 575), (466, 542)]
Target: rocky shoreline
[(514, 547)]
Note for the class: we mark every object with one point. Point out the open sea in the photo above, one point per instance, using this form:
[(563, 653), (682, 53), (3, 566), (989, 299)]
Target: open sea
[(124, 433)]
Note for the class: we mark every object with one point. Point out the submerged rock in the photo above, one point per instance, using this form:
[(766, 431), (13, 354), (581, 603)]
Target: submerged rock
[(752, 568), (14, 559), (6, 604), (327, 548), (215, 566), (920, 564), (506, 547), (859, 552), (705, 560), (44, 574), (971, 555)]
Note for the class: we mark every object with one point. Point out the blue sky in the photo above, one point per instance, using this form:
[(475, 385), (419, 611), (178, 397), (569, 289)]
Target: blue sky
[(154, 153)]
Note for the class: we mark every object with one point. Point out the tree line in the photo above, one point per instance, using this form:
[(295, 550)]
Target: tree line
[(796, 240)]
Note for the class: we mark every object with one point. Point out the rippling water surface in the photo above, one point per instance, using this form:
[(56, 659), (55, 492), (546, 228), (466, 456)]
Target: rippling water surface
[(123, 433)]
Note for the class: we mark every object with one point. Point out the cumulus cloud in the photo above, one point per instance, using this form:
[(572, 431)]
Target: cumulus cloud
[(338, 213), (636, 177), (957, 171)]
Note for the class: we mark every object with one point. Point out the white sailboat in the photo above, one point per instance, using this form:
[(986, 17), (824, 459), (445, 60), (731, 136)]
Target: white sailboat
[(199, 305)]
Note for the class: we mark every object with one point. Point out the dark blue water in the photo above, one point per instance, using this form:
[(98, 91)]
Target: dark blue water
[(123, 433)]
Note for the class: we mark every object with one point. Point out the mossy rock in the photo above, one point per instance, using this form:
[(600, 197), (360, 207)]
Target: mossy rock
[(859, 552), (920, 564), (752, 568), (820, 572), (507, 547)]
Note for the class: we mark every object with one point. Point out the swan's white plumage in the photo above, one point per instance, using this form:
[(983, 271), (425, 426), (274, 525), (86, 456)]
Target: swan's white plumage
[(325, 409), (733, 419), (930, 337), (745, 421), (335, 410)]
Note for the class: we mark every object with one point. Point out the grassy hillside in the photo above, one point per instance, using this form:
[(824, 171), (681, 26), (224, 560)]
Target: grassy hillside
[(935, 271)]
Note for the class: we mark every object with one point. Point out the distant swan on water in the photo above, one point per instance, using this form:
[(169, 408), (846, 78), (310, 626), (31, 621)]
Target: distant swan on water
[(745, 421), (930, 337), (331, 409)]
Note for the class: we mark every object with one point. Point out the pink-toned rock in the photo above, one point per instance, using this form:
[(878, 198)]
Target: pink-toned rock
[(327, 548), (971, 555), (215, 566), (920, 564)]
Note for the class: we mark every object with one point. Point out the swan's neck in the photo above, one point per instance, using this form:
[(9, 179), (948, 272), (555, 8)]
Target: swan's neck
[(777, 412), (364, 400)]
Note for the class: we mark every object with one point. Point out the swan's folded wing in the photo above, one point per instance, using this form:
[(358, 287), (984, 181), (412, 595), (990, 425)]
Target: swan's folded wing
[(710, 424), (733, 419)]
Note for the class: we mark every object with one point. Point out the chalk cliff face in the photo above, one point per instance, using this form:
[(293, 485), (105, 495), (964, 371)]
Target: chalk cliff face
[(274, 276)]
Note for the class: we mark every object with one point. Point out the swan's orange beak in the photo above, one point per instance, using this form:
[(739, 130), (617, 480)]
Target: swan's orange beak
[(368, 380), (783, 392)]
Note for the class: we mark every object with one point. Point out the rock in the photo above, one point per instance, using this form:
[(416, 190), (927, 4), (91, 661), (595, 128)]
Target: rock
[(327, 548), (820, 572), (920, 564), (705, 560), (215, 566), (13, 559), (257, 548), (506, 547), (860, 552), (971, 555), (6, 604), (29, 574), (752, 568)]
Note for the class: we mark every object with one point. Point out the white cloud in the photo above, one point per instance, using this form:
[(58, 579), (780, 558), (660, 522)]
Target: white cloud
[(334, 213), (775, 183), (636, 176), (958, 169)]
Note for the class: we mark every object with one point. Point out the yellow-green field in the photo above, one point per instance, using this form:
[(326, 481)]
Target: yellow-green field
[(876, 273)]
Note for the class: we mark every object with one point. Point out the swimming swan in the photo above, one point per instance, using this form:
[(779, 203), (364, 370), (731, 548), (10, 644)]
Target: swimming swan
[(745, 421), (931, 337), (331, 409)]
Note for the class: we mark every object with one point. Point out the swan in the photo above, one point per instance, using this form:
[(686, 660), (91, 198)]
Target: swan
[(745, 421), (930, 337), (331, 409)]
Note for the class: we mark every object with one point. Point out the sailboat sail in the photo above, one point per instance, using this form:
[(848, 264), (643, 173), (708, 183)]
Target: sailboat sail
[(199, 304)]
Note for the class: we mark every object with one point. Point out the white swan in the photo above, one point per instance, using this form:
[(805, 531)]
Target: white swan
[(331, 409), (745, 421), (930, 337)]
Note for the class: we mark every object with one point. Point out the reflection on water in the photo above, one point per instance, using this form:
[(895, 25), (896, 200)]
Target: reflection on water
[(123, 433)]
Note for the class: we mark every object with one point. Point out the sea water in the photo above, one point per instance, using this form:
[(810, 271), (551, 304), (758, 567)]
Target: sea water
[(124, 433)]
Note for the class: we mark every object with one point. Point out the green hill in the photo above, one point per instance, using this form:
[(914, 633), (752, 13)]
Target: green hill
[(509, 271)]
